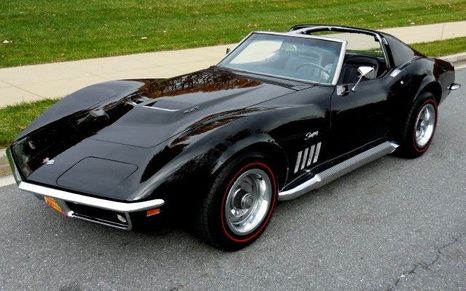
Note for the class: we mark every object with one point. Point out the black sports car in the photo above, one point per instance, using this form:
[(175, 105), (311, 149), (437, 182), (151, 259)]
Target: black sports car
[(280, 115)]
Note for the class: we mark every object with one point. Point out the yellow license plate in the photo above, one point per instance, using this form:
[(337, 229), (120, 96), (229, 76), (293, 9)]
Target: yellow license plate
[(53, 204)]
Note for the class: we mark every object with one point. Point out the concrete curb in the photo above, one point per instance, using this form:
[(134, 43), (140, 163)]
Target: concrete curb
[(458, 60), (7, 180)]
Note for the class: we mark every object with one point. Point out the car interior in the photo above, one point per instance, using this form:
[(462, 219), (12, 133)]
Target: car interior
[(312, 60), (371, 56), (316, 60), (321, 65), (316, 64), (349, 72)]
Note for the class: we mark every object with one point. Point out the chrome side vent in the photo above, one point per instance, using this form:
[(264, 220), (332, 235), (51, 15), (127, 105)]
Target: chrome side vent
[(307, 157)]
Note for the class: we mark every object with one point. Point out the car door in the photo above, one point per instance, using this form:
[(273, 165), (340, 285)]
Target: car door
[(359, 116), (303, 129), (359, 106)]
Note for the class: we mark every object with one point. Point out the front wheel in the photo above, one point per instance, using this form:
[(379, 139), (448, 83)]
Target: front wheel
[(420, 127), (240, 204)]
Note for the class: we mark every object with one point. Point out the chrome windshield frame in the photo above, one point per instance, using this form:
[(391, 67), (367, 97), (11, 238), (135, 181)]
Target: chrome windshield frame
[(336, 75)]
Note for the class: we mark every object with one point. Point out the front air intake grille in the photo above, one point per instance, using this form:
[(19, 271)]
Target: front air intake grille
[(102, 216)]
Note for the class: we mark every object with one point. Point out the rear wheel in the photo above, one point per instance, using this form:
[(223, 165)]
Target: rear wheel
[(420, 127), (240, 204)]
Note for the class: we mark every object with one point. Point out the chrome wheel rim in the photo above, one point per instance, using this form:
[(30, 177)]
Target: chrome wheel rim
[(248, 201), (425, 125)]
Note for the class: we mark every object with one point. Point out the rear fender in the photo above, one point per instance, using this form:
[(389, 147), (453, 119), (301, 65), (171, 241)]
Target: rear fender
[(432, 86), (434, 76)]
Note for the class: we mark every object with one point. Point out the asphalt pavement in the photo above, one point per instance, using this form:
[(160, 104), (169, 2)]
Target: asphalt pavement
[(393, 224)]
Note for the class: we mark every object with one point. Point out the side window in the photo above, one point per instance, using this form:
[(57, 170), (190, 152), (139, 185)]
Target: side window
[(362, 50), (362, 44), (401, 53), (358, 43)]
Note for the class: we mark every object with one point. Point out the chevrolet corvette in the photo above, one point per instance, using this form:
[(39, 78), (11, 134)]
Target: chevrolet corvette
[(280, 115)]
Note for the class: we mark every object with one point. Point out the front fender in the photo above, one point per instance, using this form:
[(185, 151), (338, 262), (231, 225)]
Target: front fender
[(192, 159), (262, 143)]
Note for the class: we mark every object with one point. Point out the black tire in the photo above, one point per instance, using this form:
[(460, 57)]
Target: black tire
[(409, 147), (212, 225)]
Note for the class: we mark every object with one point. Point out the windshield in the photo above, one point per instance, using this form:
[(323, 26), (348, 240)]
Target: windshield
[(287, 56)]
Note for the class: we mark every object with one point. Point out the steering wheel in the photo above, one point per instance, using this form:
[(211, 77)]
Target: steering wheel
[(315, 66)]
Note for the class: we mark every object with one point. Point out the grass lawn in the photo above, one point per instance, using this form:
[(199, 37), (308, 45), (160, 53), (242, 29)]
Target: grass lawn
[(39, 31), (15, 118), (442, 47)]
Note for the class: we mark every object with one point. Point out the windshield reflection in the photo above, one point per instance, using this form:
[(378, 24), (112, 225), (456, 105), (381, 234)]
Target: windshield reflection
[(301, 58)]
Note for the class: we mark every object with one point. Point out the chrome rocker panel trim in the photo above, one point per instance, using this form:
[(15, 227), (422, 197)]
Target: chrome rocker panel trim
[(339, 170), (91, 201)]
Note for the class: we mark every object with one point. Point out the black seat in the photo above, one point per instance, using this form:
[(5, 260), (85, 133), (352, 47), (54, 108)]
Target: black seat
[(349, 72)]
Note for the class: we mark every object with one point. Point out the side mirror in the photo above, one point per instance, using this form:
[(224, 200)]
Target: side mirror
[(227, 51), (363, 72)]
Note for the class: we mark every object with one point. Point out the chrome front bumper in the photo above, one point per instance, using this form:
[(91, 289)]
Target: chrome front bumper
[(69, 203)]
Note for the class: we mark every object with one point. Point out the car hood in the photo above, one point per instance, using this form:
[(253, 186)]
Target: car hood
[(163, 108), (90, 133)]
